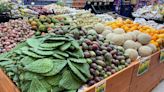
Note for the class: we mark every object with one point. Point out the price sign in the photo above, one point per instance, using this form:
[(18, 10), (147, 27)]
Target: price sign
[(162, 56), (101, 87), (143, 66)]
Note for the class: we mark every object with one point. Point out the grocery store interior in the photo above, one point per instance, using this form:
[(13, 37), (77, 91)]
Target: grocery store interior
[(81, 45)]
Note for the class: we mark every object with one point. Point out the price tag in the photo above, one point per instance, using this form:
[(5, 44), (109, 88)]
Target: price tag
[(101, 87), (144, 66), (162, 56)]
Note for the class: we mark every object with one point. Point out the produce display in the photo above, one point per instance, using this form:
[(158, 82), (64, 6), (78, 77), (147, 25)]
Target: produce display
[(150, 23), (43, 23), (18, 11), (156, 37), (47, 63), (85, 19), (73, 49), (4, 7), (105, 17), (13, 32), (104, 58), (150, 12)]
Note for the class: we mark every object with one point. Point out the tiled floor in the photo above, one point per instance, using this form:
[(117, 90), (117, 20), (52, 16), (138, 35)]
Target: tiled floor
[(159, 88)]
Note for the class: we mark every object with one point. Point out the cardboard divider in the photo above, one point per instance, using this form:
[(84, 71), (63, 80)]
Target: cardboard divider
[(6, 85), (118, 82), (147, 81)]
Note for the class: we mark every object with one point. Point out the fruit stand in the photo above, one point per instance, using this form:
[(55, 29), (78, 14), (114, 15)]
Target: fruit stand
[(54, 48)]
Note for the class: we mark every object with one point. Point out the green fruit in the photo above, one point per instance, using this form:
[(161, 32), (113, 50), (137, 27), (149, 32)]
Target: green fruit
[(37, 33), (99, 67), (42, 18), (54, 20), (92, 53), (90, 37), (42, 28), (120, 67), (101, 63), (89, 61), (122, 61)]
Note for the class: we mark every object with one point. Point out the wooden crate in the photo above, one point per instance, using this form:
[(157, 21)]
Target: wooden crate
[(6, 85), (162, 76), (147, 81), (118, 82)]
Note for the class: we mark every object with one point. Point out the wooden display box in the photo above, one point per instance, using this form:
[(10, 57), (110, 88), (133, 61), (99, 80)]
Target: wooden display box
[(162, 76), (147, 81), (6, 85), (118, 82)]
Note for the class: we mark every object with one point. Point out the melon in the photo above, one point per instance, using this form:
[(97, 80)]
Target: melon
[(108, 28), (145, 51), (134, 37), (92, 32), (99, 27), (118, 31), (153, 47), (127, 37), (138, 45), (117, 39), (136, 32), (133, 54), (109, 36), (105, 32), (143, 38), (130, 44)]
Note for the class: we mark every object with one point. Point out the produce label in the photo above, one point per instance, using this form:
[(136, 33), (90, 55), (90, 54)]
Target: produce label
[(101, 87), (162, 56), (144, 65)]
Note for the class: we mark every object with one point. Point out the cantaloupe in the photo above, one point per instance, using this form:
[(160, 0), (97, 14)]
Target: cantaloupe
[(127, 37), (144, 51), (118, 31), (153, 47), (99, 27), (117, 39), (130, 44), (133, 54), (105, 32), (138, 45), (143, 38)]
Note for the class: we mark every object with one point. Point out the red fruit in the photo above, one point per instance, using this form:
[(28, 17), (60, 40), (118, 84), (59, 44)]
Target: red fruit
[(95, 46), (88, 42)]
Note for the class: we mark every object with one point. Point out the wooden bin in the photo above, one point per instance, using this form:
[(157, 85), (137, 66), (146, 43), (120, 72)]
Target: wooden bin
[(6, 85), (162, 75), (118, 82), (147, 81)]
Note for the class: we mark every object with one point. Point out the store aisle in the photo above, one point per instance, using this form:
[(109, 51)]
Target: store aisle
[(159, 88)]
